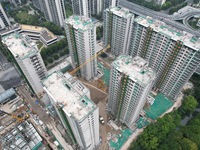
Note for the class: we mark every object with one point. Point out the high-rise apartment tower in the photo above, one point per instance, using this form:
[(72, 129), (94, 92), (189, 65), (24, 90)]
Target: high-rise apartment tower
[(78, 114), (117, 27), (87, 7), (130, 83), (28, 61), (172, 53), (81, 37), (4, 21), (54, 10)]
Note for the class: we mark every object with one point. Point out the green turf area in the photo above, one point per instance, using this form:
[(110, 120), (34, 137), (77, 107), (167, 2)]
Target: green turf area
[(142, 122), (160, 105), (22, 15), (121, 139), (106, 76)]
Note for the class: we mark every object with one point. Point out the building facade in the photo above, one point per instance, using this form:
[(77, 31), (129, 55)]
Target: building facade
[(87, 7), (96, 7), (79, 115), (117, 27), (28, 60), (81, 37), (4, 21), (16, 2), (130, 83), (82, 7), (54, 10), (110, 3), (173, 54)]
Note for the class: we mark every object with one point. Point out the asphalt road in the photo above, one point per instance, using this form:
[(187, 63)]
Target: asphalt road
[(168, 19)]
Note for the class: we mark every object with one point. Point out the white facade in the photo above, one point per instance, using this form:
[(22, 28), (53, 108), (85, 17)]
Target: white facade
[(77, 112), (173, 54), (117, 27), (96, 7), (29, 60), (87, 7), (81, 37), (4, 18), (54, 10), (130, 83)]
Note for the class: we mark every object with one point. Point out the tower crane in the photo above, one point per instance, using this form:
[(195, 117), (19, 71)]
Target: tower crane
[(89, 60), (19, 119)]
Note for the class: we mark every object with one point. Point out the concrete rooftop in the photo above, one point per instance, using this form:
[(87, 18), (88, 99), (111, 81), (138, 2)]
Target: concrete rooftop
[(80, 22), (20, 45), (70, 94), (136, 68)]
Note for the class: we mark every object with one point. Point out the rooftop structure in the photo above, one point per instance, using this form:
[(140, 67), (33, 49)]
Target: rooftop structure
[(136, 68), (80, 22), (19, 45), (21, 137), (34, 32), (5, 96), (121, 12), (68, 91), (188, 39)]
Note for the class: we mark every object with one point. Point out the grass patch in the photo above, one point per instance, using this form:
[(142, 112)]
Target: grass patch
[(22, 15)]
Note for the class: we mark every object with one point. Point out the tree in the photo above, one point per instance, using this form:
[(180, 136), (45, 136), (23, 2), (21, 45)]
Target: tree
[(189, 105), (55, 56), (188, 92), (50, 60)]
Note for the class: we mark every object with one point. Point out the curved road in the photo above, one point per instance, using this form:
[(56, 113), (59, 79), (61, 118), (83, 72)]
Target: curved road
[(168, 19)]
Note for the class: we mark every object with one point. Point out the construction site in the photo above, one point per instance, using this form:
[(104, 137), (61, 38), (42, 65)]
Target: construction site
[(25, 124)]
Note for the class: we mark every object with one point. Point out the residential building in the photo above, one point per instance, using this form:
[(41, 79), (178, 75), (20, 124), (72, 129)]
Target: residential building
[(96, 7), (117, 27), (87, 7), (81, 7), (16, 2), (54, 10), (78, 114), (28, 61), (110, 3), (172, 53), (4, 21), (130, 83), (81, 37)]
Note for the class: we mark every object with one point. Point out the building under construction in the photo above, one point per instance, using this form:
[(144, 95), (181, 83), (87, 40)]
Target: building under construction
[(21, 137)]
